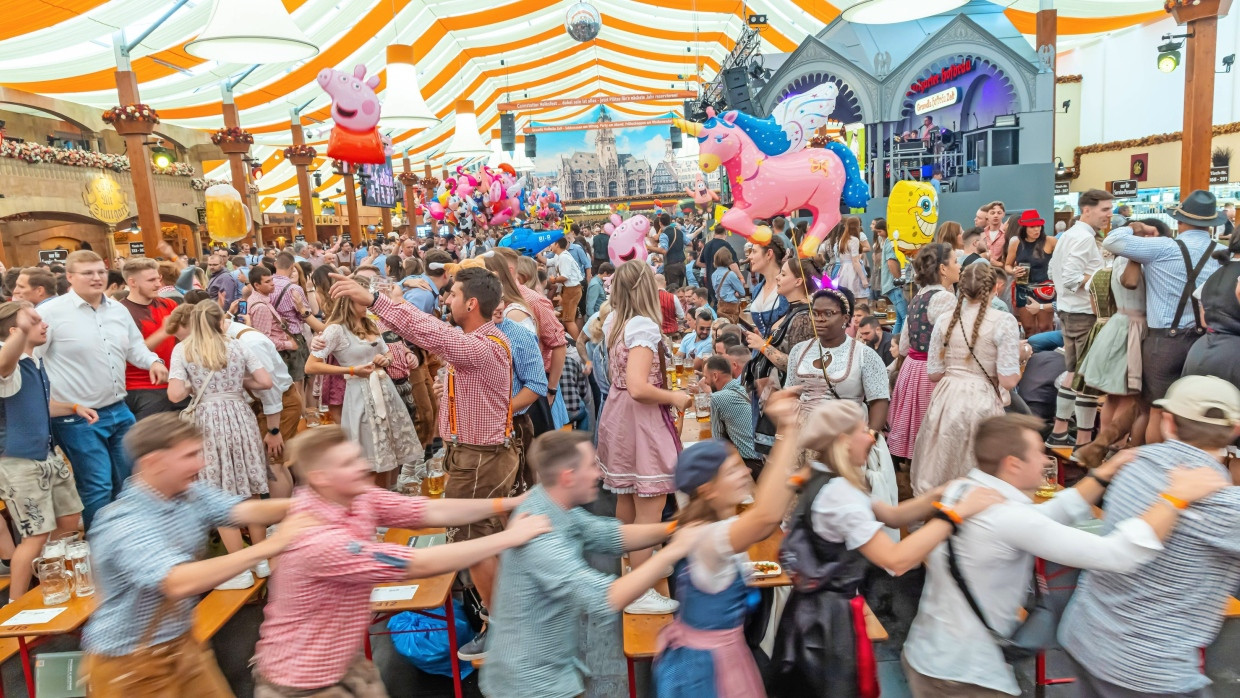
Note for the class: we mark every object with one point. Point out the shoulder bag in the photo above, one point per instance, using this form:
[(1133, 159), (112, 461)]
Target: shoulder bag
[(187, 414)]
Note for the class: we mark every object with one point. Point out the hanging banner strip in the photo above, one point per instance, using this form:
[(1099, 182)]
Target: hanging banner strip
[(633, 123), (605, 99)]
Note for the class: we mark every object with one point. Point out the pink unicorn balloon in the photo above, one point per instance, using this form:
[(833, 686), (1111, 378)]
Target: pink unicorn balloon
[(355, 111), (779, 178), (628, 238)]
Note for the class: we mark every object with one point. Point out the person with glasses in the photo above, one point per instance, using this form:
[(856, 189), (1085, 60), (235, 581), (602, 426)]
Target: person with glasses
[(834, 366), (90, 341)]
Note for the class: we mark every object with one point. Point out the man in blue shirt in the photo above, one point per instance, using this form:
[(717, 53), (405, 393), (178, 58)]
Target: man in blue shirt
[(426, 299), (596, 292), (699, 345), (529, 385)]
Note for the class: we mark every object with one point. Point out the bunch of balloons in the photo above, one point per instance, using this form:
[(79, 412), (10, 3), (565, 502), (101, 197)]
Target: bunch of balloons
[(492, 197)]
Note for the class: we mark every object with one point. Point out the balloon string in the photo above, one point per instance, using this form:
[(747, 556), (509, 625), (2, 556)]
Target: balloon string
[(796, 249)]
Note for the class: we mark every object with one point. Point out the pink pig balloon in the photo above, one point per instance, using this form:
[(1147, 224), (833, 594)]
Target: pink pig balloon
[(628, 238), (355, 111)]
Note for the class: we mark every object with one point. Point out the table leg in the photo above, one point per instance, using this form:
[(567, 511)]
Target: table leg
[(450, 614), (632, 678), (366, 646), (27, 669)]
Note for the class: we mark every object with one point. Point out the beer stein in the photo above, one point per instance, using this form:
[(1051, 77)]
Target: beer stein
[(54, 581)]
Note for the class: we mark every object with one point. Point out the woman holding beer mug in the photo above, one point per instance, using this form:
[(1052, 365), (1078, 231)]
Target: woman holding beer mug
[(1028, 257)]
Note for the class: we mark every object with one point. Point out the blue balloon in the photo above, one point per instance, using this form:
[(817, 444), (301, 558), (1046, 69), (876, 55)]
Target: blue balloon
[(530, 242)]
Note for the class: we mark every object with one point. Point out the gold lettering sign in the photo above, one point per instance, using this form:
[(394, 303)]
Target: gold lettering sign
[(105, 200)]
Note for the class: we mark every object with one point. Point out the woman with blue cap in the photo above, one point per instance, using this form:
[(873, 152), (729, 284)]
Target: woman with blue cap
[(703, 652), (834, 539)]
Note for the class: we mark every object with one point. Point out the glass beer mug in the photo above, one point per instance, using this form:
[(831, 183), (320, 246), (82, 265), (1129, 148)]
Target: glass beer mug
[(77, 554), (54, 581)]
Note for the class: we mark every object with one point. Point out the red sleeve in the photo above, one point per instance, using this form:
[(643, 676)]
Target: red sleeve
[(435, 335), (394, 510), (331, 553)]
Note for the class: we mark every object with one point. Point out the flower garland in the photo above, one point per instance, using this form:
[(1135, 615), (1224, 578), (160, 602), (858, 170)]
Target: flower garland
[(232, 135), (131, 112), (1157, 139), (1067, 79), (36, 154), (202, 183)]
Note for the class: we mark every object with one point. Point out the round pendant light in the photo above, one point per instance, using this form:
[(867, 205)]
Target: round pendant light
[(403, 105), (466, 143), (251, 31)]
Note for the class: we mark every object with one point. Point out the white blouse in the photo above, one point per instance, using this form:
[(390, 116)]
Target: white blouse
[(841, 513), (640, 331), (712, 563)]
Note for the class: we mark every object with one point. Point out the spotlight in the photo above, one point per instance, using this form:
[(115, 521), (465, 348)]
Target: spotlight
[(1060, 170), (1169, 56), (1066, 103), (162, 157), (256, 171), (1228, 61)]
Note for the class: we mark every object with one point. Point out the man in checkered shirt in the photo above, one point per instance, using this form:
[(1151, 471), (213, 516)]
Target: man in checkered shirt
[(316, 619)]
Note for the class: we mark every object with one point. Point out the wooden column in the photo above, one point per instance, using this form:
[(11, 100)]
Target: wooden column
[(140, 168), (350, 197), (1048, 35), (240, 176), (1201, 21), (303, 186), (412, 217)]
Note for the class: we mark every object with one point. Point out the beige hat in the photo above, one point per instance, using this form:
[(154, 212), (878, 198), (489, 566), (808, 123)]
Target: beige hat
[(1204, 399), (824, 424)]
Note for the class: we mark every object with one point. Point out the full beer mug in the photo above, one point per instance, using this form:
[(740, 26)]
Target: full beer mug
[(228, 218)]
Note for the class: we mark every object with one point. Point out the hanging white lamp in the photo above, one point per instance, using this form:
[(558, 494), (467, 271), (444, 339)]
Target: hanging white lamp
[(403, 105), (892, 11), (466, 143), (251, 31)]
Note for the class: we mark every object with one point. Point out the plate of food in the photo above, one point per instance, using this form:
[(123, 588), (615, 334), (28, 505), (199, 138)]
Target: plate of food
[(763, 569)]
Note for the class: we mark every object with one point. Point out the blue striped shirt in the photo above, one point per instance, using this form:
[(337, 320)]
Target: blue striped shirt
[(1154, 621), (1162, 265), (731, 418), (136, 541), (527, 365)]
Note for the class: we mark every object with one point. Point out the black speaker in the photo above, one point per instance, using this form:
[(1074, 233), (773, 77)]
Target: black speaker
[(675, 136), (736, 89), (1005, 147), (531, 145), (507, 132)]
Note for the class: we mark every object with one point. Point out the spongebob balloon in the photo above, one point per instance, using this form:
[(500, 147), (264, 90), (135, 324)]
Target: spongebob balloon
[(912, 217), (228, 218)]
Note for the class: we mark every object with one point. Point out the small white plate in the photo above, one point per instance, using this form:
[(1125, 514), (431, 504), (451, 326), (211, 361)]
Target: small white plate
[(764, 575)]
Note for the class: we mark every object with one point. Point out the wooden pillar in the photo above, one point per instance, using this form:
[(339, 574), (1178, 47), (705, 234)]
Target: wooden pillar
[(350, 197), (303, 186), (140, 168), (240, 175), (412, 217), (1048, 35), (1201, 21)]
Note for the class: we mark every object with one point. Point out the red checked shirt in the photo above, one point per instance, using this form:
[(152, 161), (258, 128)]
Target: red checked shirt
[(483, 371), (550, 331), (319, 606)]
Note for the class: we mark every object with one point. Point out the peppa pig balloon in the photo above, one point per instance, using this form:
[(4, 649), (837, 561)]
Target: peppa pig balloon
[(628, 238), (355, 111)]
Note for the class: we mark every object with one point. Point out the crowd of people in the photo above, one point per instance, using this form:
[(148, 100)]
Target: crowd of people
[(888, 417)]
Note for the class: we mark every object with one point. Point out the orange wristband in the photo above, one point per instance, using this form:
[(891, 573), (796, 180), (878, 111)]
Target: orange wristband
[(1175, 501), (497, 504), (351, 371), (796, 481), (951, 513), (671, 527), (75, 407)]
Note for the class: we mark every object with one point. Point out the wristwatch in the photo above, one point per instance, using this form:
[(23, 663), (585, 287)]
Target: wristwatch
[(274, 431)]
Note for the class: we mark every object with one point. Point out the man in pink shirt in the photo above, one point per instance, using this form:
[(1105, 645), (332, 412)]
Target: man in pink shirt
[(993, 234), (318, 610)]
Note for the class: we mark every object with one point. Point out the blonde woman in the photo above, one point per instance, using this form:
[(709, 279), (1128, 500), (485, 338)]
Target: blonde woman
[(217, 371), (373, 413), (515, 308), (637, 439), (973, 360), (527, 272)]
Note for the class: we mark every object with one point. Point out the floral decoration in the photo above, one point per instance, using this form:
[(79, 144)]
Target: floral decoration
[(409, 179), (202, 183), (1157, 139), (232, 134), (297, 150), (1067, 79), (131, 112), (36, 153)]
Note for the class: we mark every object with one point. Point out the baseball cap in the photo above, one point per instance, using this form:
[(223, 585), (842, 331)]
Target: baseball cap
[(1204, 399), (698, 464)]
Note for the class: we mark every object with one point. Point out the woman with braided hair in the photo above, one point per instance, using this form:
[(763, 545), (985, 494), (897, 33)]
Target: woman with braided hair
[(935, 268), (974, 360)]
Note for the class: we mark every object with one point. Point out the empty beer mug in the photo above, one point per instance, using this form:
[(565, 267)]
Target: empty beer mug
[(54, 581), (78, 555)]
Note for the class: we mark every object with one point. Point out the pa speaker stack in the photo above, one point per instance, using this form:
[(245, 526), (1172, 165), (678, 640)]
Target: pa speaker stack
[(531, 145), (675, 138), (736, 89), (507, 132)]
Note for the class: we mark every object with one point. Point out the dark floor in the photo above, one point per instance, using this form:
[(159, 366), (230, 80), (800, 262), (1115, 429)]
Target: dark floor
[(234, 646)]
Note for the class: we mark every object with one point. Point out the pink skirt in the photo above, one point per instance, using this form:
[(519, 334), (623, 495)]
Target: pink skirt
[(637, 446), (909, 401)]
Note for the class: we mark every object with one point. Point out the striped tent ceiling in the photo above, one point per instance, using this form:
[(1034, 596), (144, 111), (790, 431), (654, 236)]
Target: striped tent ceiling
[(489, 51)]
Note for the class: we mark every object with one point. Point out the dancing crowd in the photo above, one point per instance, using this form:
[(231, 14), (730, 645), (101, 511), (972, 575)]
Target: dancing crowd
[(882, 415)]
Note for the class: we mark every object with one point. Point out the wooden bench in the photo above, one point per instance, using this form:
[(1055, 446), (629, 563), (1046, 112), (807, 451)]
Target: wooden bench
[(217, 608), (1233, 609)]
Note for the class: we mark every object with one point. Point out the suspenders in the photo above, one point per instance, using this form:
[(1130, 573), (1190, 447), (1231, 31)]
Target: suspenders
[(1189, 287), (452, 395)]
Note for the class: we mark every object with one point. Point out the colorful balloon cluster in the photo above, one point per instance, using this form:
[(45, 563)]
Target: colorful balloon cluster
[(491, 198)]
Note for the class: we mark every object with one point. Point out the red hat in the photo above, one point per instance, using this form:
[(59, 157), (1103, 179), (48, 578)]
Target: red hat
[(1030, 219)]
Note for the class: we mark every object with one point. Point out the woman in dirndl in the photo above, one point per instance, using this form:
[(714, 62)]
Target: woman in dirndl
[(703, 652), (834, 541), (935, 268), (835, 366)]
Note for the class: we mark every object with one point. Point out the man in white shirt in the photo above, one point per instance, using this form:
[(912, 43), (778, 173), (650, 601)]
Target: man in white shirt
[(949, 651), (90, 339), (280, 413), (1074, 262), (569, 273)]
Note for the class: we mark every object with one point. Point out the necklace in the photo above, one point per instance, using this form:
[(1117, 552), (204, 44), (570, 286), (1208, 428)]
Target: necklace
[(825, 359)]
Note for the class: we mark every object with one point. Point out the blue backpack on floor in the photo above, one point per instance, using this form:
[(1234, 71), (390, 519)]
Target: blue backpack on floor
[(424, 641)]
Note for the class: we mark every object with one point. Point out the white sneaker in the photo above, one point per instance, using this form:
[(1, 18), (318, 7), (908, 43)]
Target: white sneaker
[(245, 580), (263, 569), (652, 603)]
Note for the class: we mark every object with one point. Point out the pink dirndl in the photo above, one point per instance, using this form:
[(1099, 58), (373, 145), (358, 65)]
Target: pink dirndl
[(909, 401), (637, 443)]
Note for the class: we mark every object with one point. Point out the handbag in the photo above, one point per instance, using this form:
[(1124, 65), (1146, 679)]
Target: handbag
[(1043, 292), (1036, 633), (187, 414)]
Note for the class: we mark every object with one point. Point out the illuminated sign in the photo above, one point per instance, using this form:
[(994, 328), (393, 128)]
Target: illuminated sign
[(947, 74), (938, 100)]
